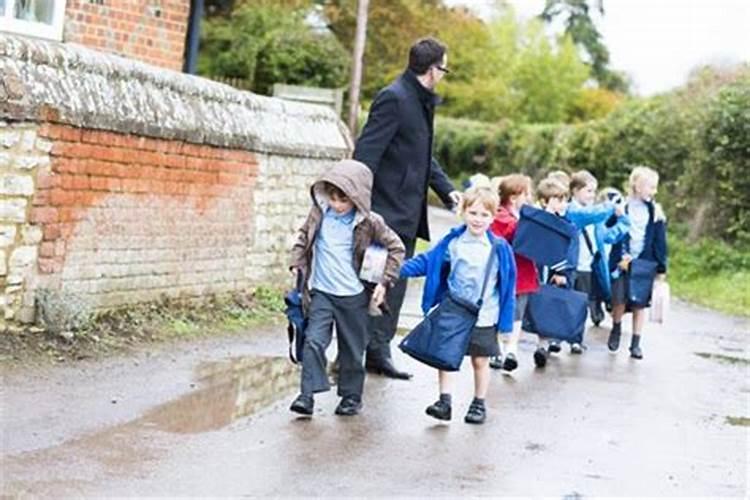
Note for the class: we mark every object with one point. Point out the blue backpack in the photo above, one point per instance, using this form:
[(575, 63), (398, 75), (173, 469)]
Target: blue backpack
[(544, 237)]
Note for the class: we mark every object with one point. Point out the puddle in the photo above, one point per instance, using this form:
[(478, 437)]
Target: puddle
[(723, 358), (227, 391), (738, 421)]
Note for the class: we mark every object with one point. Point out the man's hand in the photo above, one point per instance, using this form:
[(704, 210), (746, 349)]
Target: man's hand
[(455, 197), (378, 294)]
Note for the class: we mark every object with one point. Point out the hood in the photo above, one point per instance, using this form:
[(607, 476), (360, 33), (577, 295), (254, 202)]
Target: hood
[(351, 177)]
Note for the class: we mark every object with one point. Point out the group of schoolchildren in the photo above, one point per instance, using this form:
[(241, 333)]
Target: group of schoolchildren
[(612, 231)]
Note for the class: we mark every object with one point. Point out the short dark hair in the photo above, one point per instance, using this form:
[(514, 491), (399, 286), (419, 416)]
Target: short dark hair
[(333, 190), (424, 53)]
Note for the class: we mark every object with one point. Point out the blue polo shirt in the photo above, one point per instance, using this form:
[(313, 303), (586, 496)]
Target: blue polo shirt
[(332, 270)]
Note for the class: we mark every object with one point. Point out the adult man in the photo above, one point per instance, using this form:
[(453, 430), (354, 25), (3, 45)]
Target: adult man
[(396, 144)]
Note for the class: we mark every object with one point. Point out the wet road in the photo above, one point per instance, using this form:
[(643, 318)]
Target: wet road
[(211, 418)]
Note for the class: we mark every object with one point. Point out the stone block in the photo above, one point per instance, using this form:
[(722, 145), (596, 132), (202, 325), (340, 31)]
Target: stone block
[(7, 235), (3, 265), (23, 257), (11, 184), (28, 138), (31, 235), (9, 138), (13, 210)]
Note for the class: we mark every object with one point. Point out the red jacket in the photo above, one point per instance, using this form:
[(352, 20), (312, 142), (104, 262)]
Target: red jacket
[(527, 279)]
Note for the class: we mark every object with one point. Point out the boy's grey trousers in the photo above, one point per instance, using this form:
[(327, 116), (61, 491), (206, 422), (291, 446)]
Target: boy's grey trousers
[(352, 324)]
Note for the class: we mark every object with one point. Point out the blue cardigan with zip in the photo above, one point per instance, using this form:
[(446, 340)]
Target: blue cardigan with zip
[(435, 266)]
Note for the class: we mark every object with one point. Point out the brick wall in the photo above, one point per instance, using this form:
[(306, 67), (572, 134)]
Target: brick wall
[(127, 218), (152, 31)]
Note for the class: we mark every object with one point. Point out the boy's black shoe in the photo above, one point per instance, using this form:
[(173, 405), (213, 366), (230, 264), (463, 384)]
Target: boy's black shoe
[(540, 357), (303, 405), (554, 346), (349, 406), (477, 414), (496, 362), (614, 338), (440, 410), (635, 348), (510, 362)]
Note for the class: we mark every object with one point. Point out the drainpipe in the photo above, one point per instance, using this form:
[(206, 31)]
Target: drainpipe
[(193, 35)]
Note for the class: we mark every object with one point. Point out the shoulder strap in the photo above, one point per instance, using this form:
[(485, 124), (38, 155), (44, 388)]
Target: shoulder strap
[(488, 271), (588, 241)]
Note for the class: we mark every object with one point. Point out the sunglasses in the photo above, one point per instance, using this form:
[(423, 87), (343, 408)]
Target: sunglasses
[(443, 69)]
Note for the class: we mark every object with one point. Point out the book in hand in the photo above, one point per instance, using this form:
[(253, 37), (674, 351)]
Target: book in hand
[(373, 264)]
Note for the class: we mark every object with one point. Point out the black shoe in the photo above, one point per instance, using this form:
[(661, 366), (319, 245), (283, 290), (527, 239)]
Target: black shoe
[(496, 362), (614, 339), (510, 362), (303, 405), (349, 406), (554, 347), (635, 347), (540, 357), (597, 314), (440, 410), (385, 367), (477, 414), (576, 348)]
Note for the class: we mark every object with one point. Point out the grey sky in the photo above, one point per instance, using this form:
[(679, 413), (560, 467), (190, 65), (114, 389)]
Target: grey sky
[(657, 42)]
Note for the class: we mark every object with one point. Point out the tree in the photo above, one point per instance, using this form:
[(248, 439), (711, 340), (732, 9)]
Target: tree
[(584, 33), (269, 43)]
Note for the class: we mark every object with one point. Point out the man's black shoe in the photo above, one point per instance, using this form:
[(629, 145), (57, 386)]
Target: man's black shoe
[(303, 405), (496, 362), (554, 346), (385, 367), (439, 410), (349, 406)]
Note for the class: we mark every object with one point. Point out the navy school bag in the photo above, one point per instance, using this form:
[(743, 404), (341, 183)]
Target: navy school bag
[(640, 284), (558, 313), (441, 339), (296, 320), (543, 237)]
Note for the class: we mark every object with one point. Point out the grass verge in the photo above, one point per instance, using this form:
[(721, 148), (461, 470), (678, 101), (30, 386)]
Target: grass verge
[(120, 330)]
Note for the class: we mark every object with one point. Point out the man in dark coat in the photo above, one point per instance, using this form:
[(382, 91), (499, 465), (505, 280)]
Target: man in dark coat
[(396, 144)]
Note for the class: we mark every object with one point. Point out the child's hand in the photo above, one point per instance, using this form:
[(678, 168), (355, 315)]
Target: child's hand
[(620, 209), (559, 280), (378, 294), (625, 262)]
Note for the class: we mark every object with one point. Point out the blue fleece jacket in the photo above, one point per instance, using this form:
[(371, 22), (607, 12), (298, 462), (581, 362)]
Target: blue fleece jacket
[(435, 266)]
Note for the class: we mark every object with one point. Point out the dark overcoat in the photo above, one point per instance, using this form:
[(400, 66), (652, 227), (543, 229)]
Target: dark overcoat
[(396, 144)]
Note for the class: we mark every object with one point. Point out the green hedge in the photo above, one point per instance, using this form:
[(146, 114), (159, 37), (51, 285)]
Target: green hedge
[(698, 138)]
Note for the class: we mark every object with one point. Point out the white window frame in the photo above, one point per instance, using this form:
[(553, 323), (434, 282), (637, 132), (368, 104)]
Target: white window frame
[(52, 31)]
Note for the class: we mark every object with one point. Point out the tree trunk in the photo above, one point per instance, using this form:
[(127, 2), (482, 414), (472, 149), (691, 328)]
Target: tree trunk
[(359, 49)]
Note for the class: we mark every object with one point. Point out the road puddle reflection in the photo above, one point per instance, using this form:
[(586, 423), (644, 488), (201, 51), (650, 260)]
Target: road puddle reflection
[(227, 391)]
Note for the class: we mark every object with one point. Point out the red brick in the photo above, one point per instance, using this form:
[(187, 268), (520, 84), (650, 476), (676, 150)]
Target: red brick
[(46, 180), (43, 215), (51, 232), (47, 249), (62, 197)]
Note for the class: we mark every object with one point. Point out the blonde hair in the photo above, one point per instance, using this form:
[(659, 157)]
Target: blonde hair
[(560, 176), (484, 195), (641, 172), (512, 185), (480, 180), (581, 179), (551, 188)]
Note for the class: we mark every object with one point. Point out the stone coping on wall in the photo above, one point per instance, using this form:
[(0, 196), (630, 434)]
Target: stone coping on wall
[(71, 84)]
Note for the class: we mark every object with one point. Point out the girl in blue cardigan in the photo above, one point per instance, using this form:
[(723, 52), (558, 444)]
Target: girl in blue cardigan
[(457, 264), (646, 239)]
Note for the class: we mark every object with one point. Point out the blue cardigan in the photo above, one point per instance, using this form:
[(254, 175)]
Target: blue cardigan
[(654, 245), (436, 267)]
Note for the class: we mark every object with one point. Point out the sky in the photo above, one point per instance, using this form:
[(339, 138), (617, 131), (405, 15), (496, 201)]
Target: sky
[(658, 42)]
